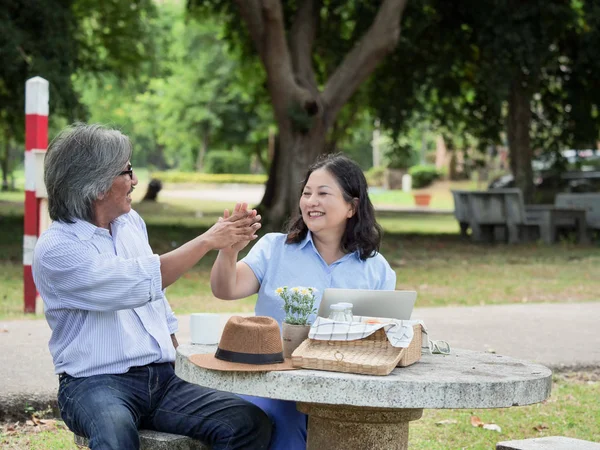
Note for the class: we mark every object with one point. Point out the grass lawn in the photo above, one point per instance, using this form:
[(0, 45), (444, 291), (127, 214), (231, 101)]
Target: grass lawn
[(572, 410)]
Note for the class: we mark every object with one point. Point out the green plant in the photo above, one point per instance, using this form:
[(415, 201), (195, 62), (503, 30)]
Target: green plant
[(298, 304), (223, 161), (423, 176), (400, 157), (374, 176), (217, 178)]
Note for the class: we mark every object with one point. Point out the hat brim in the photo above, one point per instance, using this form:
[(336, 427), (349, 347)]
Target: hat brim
[(208, 361)]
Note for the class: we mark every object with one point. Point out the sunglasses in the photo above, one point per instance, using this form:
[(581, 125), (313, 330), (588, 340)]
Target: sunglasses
[(129, 171)]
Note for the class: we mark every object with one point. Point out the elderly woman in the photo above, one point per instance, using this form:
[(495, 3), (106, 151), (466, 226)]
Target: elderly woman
[(113, 332)]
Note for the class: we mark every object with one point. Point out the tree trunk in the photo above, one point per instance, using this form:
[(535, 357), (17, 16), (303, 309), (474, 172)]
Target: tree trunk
[(519, 142), (202, 151), (294, 153), (5, 163)]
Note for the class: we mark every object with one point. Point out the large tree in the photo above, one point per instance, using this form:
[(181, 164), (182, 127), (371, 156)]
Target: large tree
[(484, 67), (316, 54), (55, 39)]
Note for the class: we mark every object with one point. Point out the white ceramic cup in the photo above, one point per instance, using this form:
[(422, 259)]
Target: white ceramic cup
[(205, 328)]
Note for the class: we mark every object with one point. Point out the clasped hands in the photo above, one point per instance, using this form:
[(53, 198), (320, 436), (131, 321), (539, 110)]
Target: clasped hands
[(234, 231)]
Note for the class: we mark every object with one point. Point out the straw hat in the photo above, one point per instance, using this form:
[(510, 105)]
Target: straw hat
[(248, 344)]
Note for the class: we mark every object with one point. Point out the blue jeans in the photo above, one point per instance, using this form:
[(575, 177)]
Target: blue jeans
[(109, 410)]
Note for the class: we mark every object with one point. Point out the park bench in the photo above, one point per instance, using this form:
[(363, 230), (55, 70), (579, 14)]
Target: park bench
[(493, 214), (588, 201), (154, 440), (548, 443)]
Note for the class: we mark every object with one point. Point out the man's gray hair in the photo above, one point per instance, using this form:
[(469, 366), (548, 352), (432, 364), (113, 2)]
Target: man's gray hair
[(81, 164)]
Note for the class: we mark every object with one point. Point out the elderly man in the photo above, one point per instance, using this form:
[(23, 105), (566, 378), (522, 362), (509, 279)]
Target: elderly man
[(113, 331)]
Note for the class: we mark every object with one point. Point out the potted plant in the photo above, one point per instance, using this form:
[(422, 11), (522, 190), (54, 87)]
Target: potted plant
[(422, 176), (421, 198), (298, 305)]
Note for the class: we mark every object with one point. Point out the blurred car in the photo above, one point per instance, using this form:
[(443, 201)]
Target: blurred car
[(552, 173)]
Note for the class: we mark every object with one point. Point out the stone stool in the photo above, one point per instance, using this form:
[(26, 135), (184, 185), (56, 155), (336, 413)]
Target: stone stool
[(154, 440), (548, 443)]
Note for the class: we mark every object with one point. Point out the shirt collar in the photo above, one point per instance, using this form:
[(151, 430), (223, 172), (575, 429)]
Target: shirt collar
[(308, 238), (304, 242), (83, 229)]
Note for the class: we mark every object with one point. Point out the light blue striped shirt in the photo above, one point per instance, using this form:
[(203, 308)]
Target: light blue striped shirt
[(278, 264), (102, 297)]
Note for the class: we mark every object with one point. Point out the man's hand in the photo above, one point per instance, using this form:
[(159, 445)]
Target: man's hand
[(236, 229), (236, 248)]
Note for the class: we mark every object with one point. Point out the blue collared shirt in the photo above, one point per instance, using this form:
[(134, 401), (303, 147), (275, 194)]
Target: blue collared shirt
[(102, 297), (278, 264)]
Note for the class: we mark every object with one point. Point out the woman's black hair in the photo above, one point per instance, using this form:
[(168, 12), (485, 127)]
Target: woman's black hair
[(362, 232)]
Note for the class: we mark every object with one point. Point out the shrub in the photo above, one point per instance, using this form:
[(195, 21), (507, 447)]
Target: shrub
[(223, 161), (220, 178), (374, 176), (423, 176)]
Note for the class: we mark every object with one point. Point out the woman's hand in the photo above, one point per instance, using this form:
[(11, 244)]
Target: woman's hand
[(233, 232), (236, 248)]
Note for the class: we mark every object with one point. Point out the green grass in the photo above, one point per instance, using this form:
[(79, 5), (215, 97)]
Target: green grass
[(572, 410)]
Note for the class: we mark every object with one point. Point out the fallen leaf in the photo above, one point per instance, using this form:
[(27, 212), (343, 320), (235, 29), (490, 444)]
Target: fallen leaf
[(492, 426), (446, 422), (476, 421), (540, 427)]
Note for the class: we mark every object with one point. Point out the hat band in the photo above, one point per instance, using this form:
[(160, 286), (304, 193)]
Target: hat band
[(249, 358)]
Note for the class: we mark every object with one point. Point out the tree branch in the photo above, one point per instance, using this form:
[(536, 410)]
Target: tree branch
[(381, 38), (302, 37), (251, 12), (264, 19)]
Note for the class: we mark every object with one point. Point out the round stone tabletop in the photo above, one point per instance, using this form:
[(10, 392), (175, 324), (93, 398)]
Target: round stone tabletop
[(463, 379)]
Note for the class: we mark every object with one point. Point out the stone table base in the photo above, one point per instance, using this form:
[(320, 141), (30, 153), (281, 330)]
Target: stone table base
[(337, 427)]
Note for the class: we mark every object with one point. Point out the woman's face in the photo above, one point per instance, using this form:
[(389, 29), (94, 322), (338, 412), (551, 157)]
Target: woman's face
[(323, 207)]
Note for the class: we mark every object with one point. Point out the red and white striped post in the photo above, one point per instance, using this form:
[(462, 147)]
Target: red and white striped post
[(36, 140)]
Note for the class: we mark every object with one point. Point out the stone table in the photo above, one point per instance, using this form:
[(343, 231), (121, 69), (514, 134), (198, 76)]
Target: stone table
[(351, 411)]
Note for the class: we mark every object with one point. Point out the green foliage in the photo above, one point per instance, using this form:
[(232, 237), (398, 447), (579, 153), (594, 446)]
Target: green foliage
[(400, 157), (223, 161), (195, 98), (423, 176), (374, 176), (210, 178), (298, 304)]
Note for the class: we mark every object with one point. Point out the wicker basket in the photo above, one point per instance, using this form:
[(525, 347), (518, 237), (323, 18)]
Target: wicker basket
[(373, 355)]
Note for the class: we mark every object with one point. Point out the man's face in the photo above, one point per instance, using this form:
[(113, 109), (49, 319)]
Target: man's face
[(118, 199)]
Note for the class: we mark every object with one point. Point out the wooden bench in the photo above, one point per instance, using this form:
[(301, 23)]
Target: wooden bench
[(497, 214), (548, 443), (154, 440), (500, 214), (588, 201)]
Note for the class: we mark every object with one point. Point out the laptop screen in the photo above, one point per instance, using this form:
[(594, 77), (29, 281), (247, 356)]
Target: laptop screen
[(372, 303)]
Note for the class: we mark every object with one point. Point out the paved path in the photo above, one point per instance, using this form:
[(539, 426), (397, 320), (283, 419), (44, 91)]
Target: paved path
[(253, 195), (556, 335)]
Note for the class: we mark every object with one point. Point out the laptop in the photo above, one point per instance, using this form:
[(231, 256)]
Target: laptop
[(371, 303)]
